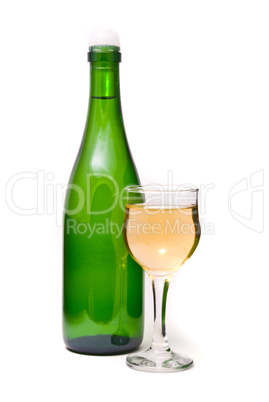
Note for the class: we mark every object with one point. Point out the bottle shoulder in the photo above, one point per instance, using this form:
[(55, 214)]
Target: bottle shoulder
[(110, 157), (104, 163), (104, 149)]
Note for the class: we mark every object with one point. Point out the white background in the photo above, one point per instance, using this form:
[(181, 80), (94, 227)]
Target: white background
[(194, 86)]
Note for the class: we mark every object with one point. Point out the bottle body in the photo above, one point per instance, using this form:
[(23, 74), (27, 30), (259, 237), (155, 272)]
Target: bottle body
[(103, 286)]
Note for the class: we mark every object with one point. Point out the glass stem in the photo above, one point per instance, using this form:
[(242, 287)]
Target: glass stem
[(160, 288)]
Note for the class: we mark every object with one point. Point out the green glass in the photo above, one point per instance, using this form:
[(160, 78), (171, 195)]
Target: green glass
[(103, 285)]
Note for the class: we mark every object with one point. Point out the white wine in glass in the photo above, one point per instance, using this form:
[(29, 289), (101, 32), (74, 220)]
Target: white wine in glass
[(161, 239), (162, 231)]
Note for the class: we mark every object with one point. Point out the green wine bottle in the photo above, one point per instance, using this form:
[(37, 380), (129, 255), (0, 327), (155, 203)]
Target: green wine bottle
[(103, 285)]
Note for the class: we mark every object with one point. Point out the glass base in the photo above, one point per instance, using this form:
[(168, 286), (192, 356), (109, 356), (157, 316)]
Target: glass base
[(158, 361)]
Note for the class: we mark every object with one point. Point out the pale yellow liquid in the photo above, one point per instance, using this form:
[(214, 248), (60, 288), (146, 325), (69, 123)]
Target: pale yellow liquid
[(161, 239)]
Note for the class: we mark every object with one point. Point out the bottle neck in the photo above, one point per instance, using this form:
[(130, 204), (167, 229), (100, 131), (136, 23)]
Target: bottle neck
[(104, 81)]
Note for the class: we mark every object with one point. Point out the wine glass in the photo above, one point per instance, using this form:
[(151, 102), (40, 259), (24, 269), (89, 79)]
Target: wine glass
[(161, 232)]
